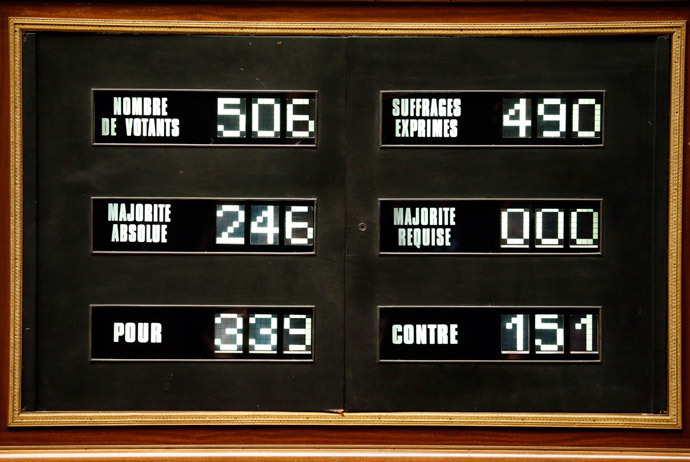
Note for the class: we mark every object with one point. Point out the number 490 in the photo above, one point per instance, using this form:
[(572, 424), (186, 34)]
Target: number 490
[(552, 117)]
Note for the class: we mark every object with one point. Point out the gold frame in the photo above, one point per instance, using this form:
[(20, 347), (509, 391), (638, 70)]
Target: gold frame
[(672, 420)]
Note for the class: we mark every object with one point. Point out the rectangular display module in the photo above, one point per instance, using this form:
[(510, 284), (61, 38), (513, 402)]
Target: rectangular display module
[(489, 333), (189, 225), (146, 332), (492, 118), (491, 226), (204, 117)]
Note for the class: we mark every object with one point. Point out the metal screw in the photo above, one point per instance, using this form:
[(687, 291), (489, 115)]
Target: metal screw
[(362, 226)]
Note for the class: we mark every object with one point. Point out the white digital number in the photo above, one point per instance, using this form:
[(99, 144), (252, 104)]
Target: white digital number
[(519, 115), (595, 130), (548, 235), (228, 333), (266, 117), (515, 334), (587, 323), (552, 117), (514, 227), (547, 114), (306, 123), (265, 225), (232, 118), (263, 333), (230, 224), (297, 333), (294, 227), (580, 236), (549, 336)]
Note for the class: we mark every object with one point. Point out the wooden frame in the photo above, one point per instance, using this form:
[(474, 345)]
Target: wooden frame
[(339, 453), (676, 29)]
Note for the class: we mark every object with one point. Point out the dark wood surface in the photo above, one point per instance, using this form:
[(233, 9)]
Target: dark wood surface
[(329, 12), (351, 454)]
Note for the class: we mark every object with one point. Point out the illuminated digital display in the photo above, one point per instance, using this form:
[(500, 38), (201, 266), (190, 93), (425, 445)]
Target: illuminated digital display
[(205, 118), (489, 333), (491, 118), (492, 226), (168, 332), (175, 225)]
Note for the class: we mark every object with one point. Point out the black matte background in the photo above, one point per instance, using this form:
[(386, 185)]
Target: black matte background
[(71, 171), (631, 377), (629, 173)]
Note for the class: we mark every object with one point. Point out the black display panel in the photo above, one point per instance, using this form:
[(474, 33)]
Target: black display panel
[(492, 226), (621, 176), (150, 333), (623, 184), (168, 225), (205, 118), (488, 334), (79, 266), (490, 118)]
